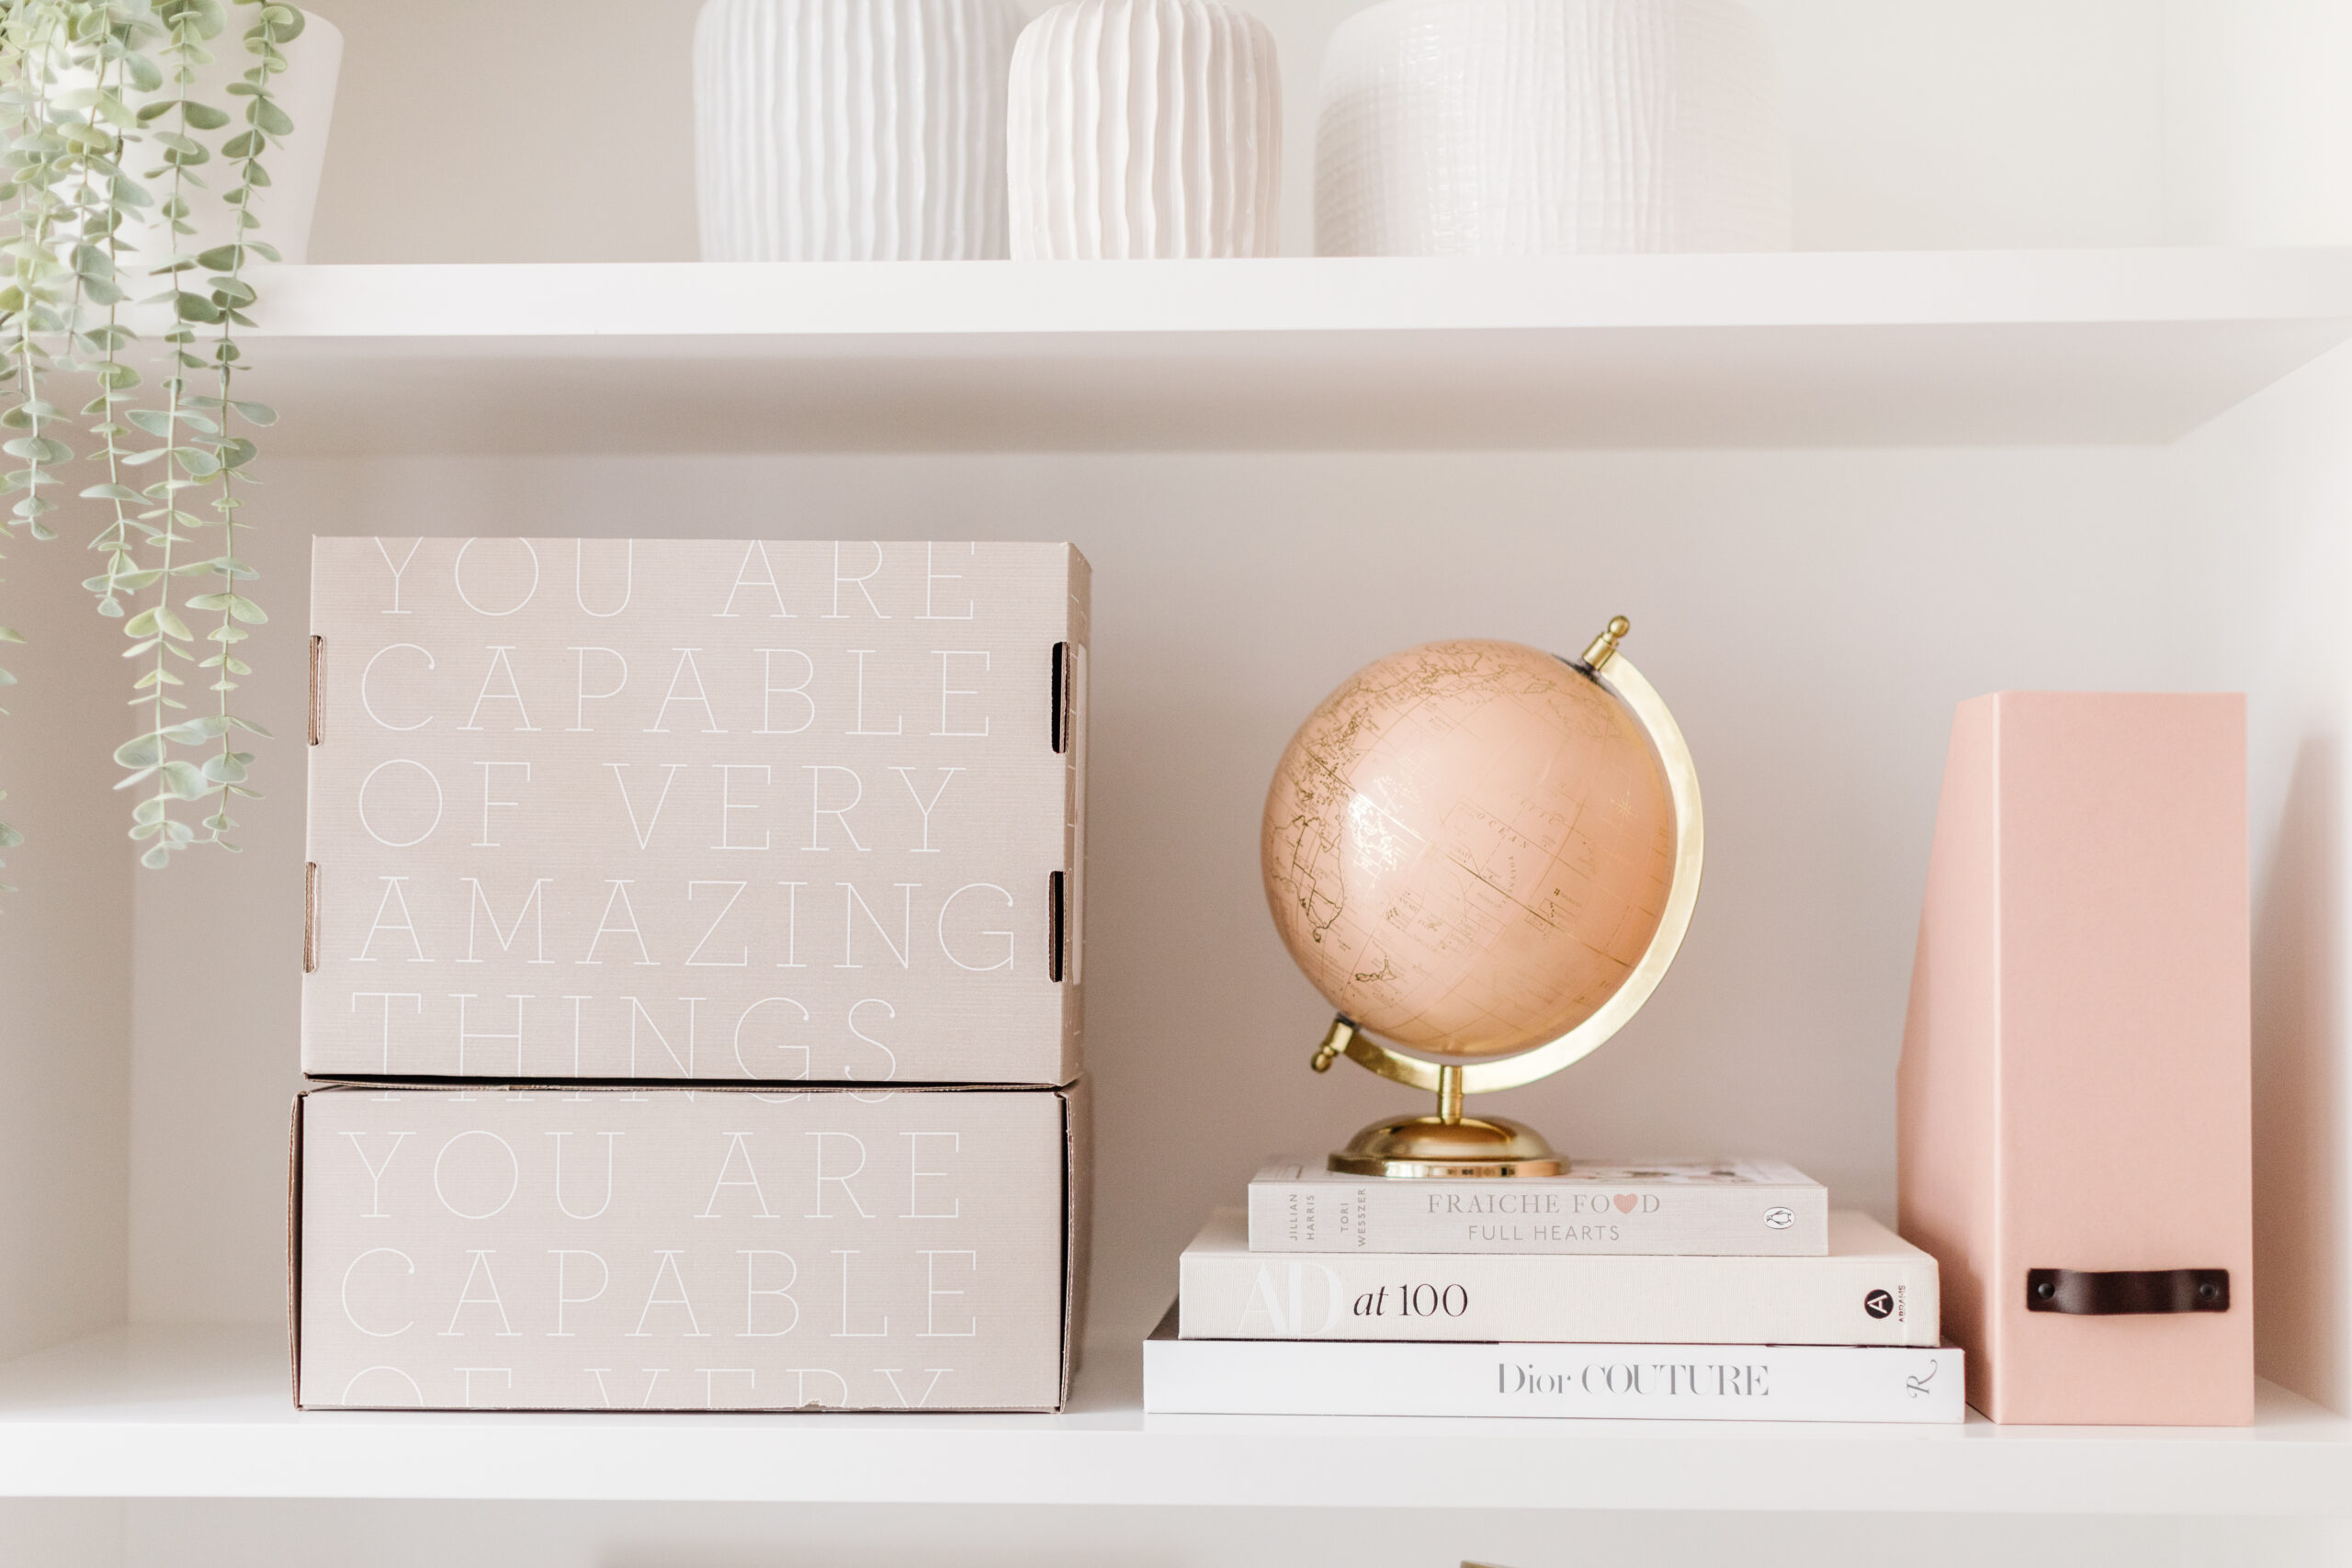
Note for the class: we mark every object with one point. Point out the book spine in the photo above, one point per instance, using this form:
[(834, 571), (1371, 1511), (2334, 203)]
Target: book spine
[(1472, 1216), (1705, 1383), (1779, 1301)]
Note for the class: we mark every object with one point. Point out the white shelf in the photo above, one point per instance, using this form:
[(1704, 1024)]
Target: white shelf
[(205, 1412), (1959, 348)]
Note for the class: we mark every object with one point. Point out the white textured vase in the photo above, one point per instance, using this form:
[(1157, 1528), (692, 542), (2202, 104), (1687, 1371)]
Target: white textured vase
[(305, 90), (1524, 128), (851, 130), (1145, 130)]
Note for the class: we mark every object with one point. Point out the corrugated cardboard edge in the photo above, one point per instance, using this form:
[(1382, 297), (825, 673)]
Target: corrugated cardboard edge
[(294, 1248), (1078, 1211), (1078, 628), (1077, 1218)]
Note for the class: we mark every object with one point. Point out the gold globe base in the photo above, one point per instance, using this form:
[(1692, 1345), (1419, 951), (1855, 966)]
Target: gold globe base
[(1430, 1148)]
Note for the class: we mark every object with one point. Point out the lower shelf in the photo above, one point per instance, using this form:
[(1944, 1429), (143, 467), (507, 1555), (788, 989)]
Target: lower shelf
[(204, 1411)]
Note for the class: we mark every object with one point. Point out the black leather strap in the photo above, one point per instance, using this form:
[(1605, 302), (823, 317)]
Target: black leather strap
[(2118, 1292)]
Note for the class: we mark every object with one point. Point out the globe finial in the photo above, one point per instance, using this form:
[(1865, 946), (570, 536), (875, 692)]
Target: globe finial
[(1604, 646)]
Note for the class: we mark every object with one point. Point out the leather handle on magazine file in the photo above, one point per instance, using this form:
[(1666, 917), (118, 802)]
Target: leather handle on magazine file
[(2126, 1290)]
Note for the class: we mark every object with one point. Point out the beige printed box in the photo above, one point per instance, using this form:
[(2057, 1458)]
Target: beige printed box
[(603, 1248), (696, 809)]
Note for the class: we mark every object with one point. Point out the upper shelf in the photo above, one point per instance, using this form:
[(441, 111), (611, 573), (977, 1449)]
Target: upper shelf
[(205, 1412), (1962, 348)]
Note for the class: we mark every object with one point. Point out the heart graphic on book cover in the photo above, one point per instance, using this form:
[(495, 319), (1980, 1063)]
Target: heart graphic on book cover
[(1625, 1202)]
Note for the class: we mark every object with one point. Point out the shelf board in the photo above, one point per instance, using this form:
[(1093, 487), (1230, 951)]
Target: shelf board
[(1805, 349), (205, 1412)]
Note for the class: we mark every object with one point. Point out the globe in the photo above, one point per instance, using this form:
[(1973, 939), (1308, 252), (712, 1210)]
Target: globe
[(1468, 847)]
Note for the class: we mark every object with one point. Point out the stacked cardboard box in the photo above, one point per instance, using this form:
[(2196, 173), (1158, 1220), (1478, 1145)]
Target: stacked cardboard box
[(693, 975)]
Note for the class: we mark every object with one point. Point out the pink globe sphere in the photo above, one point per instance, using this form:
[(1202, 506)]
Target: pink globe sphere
[(1468, 847)]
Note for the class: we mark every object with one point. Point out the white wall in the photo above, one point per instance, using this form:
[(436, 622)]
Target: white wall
[(1930, 125), (64, 952), (2257, 142), (248, 1533), (261, 1534), (2266, 498), (2257, 129), (240, 1534)]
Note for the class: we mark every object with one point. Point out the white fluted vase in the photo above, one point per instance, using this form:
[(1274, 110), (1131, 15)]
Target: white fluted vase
[(305, 90), (1528, 128), (851, 130), (1143, 129)]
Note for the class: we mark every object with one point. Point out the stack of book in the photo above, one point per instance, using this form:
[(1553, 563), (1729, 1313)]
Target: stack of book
[(1725, 1291)]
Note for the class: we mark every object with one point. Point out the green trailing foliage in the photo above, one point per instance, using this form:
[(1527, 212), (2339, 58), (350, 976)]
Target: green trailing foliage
[(103, 131)]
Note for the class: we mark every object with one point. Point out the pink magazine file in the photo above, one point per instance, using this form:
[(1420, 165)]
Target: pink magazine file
[(2074, 1098)]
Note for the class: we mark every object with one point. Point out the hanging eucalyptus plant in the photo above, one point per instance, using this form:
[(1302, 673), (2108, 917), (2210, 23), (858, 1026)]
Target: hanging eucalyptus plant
[(107, 141)]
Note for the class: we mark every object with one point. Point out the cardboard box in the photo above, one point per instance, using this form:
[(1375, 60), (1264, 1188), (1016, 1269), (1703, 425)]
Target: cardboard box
[(2074, 1098), (601, 1248), (661, 808)]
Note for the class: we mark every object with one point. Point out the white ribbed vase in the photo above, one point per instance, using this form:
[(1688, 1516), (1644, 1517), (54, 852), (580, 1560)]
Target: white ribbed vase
[(1143, 129), (305, 90), (1531, 128), (851, 130)]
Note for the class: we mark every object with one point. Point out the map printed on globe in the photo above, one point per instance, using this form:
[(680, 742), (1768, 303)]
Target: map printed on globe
[(1468, 846)]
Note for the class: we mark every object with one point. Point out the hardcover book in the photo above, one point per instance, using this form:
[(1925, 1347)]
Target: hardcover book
[(2074, 1104), (702, 809), (1871, 1288), (1640, 1381), (573, 1248), (1761, 1208)]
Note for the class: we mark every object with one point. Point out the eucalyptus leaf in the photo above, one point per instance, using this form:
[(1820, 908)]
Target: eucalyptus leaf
[(182, 779)]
